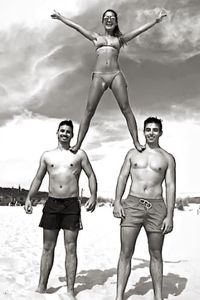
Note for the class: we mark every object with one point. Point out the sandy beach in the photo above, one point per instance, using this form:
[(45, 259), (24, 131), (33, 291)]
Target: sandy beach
[(98, 251)]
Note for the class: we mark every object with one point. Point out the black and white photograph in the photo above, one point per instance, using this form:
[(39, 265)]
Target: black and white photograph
[(99, 156)]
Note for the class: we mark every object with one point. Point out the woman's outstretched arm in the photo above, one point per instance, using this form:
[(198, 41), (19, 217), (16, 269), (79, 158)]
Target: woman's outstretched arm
[(87, 34), (132, 34)]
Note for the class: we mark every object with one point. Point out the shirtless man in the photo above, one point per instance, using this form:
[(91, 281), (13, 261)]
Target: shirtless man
[(62, 209), (144, 205)]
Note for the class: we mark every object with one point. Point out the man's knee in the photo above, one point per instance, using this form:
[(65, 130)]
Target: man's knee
[(155, 254), (70, 248), (126, 253), (48, 248)]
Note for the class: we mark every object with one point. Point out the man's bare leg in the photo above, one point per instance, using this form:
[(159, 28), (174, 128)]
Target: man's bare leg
[(155, 241), (49, 243), (128, 239), (70, 239)]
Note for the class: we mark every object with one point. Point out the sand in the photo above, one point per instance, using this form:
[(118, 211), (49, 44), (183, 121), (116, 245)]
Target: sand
[(98, 251)]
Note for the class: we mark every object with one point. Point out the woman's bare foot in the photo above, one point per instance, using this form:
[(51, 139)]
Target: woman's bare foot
[(74, 148), (139, 147)]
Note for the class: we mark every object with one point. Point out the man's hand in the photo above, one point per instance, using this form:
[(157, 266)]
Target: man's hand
[(28, 206), (91, 204), (167, 225), (162, 14), (118, 211), (56, 15)]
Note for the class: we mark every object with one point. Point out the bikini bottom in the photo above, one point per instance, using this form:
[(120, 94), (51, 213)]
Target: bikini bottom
[(108, 77)]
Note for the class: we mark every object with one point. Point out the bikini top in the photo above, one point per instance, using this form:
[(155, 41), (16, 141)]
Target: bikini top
[(102, 41)]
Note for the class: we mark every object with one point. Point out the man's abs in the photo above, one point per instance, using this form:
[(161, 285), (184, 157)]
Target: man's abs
[(147, 191), (63, 189)]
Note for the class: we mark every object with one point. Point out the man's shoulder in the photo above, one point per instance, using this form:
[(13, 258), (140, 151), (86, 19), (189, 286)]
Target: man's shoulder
[(167, 155), (132, 152), (51, 151), (81, 154), (48, 153)]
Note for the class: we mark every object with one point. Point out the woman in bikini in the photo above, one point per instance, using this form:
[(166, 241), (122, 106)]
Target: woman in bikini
[(107, 72)]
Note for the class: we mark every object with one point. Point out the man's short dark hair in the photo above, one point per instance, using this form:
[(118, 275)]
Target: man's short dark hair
[(153, 120), (68, 123)]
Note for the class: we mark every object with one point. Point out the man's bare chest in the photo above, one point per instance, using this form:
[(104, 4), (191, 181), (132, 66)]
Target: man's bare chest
[(63, 162), (151, 162)]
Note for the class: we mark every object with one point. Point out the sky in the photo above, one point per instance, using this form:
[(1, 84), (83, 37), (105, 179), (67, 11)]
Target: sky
[(46, 73)]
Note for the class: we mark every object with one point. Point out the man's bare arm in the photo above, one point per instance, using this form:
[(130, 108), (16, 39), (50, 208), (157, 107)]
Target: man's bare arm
[(92, 182), (36, 183), (123, 177), (118, 211), (170, 183)]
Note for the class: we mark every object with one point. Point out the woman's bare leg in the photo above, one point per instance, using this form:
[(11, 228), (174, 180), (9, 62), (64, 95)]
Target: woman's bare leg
[(96, 91), (119, 89)]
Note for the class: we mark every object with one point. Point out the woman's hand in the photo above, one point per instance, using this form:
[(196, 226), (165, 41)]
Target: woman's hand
[(56, 15), (162, 14)]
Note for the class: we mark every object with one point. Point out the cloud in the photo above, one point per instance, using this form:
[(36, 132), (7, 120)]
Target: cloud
[(45, 74), (33, 13), (175, 39), (46, 66)]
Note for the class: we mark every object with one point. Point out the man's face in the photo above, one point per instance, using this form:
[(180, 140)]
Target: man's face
[(65, 134), (152, 133)]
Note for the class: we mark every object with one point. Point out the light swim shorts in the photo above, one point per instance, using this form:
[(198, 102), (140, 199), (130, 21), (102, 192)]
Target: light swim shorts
[(139, 212)]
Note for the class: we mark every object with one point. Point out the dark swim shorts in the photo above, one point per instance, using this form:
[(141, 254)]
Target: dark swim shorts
[(139, 212), (64, 213)]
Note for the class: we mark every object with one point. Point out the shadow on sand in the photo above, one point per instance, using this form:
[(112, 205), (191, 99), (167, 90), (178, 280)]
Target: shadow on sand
[(88, 279), (173, 284)]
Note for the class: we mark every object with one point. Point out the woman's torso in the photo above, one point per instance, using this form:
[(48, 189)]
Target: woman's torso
[(107, 49)]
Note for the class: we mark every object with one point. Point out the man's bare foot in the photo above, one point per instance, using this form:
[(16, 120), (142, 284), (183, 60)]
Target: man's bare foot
[(41, 290), (74, 148), (139, 147)]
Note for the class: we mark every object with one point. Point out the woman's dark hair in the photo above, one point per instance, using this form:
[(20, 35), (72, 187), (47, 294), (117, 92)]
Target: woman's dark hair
[(116, 31)]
